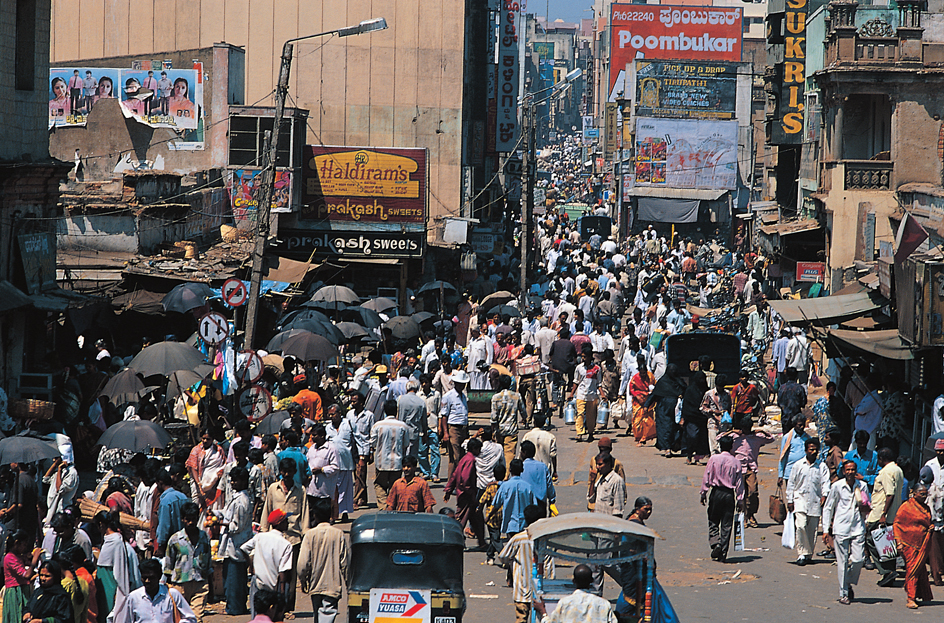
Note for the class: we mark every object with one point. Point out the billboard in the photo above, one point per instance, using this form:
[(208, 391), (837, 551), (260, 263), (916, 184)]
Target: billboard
[(371, 185), (672, 32), (686, 153), (160, 98), (242, 186), (694, 90), (507, 127), (790, 77)]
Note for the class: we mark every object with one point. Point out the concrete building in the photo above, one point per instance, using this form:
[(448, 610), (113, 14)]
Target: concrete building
[(417, 84)]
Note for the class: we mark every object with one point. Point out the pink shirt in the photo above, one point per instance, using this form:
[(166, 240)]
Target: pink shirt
[(15, 571), (747, 447), (723, 470)]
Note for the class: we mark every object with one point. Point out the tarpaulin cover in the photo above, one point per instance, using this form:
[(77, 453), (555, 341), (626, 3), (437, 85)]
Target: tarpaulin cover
[(11, 297), (658, 210), (827, 310), (886, 343)]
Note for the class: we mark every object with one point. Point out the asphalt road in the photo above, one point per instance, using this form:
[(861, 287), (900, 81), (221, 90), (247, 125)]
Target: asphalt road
[(757, 585)]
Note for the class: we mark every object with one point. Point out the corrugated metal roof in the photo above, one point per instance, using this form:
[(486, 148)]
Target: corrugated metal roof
[(828, 309), (791, 227), (677, 193)]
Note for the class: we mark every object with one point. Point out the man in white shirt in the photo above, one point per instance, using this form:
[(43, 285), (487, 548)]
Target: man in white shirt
[(389, 440), (155, 602), (544, 338), (600, 340), (271, 556), (868, 413), (798, 355), (587, 377), (844, 522), (480, 351), (937, 415), (806, 491)]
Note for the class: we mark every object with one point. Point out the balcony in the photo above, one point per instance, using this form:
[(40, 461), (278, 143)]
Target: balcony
[(868, 174)]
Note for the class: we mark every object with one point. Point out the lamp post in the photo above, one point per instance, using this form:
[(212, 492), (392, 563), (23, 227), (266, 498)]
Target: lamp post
[(267, 187), (529, 168)]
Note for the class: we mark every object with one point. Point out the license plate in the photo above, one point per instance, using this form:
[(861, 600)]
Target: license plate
[(444, 619)]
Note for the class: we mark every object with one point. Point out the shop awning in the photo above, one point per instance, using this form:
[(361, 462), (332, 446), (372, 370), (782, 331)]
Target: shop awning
[(658, 210), (700, 194), (57, 300), (286, 270), (886, 343), (828, 309), (792, 227), (11, 297)]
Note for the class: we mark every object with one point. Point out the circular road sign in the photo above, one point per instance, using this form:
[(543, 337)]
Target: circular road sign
[(249, 367), (214, 328), (255, 403), (234, 292)]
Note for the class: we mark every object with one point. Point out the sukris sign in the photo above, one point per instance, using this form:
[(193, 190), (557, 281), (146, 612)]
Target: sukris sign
[(354, 244)]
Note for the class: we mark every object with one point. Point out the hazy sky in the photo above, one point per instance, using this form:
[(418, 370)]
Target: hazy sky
[(567, 10)]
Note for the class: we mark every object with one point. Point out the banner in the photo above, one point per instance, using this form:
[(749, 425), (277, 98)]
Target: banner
[(507, 126), (366, 185), (73, 93), (163, 98), (243, 188), (693, 90), (670, 32), (686, 153)]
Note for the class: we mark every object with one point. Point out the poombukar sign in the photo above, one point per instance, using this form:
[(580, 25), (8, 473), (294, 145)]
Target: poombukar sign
[(672, 32)]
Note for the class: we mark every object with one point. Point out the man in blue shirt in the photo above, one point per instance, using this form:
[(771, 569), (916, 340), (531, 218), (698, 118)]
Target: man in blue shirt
[(537, 475), (866, 460), (294, 452), (512, 497), (168, 510), (792, 448)]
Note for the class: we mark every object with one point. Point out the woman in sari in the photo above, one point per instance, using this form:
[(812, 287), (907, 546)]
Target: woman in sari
[(695, 423), (913, 538), (50, 603), (205, 465), (640, 386), (117, 565), (665, 397)]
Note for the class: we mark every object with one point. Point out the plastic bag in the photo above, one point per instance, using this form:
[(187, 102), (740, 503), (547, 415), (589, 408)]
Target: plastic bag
[(788, 539), (739, 532), (884, 539)]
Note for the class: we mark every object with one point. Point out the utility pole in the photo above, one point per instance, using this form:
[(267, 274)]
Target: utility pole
[(267, 188), (527, 206)]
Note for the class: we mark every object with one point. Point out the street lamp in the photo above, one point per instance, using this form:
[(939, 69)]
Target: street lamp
[(267, 187), (528, 166)]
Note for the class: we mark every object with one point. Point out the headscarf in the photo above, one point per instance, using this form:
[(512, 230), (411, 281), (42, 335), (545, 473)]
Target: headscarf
[(670, 385), (691, 403)]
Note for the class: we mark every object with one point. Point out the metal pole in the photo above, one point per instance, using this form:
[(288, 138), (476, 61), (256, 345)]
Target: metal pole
[(266, 191), (527, 206)]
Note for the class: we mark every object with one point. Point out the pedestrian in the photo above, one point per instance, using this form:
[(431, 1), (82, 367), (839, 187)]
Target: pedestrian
[(693, 422), (156, 602), (411, 409), (806, 492), (454, 418), (665, 396), (507, 410), (237, 520), (292, 449), (269, 607), (340, 433), (865, 458), (170, 501), (117, 563), (187, 564), (714, 406), (324, 464), (745, 400), (791, 399), (411, 494), (511, 499), (581, 606), (843, 523), (429, 446), (585, 391), (463, 483), (324, 562), (933, 474), (492, 514), (545, 446), (747, 445), (886, 498), (272, 558), (913, 528), (362, 420), (290, 499), (49, 603), (792, 448), (63, 481), (722, 489), (205, 466), (389, 440), (604, 447), (640, 387), (518, 553), (18, 565), (538, 477)]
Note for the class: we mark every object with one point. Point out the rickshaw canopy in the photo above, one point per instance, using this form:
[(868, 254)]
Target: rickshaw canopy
[(590, 537)]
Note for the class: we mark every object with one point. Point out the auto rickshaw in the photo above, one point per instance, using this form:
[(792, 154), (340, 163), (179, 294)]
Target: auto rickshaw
[(406, 566), (626, 548)]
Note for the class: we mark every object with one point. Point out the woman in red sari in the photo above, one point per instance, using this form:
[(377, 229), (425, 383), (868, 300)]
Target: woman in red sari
[(640, 386), (913, 536)]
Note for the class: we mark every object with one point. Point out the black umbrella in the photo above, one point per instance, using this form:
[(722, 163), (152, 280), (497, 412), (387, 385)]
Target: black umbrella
[(497, 298), (324, 329), (352, 330), (305, 314), (423, 316), (434, 286), (505, 310), (186, 296), (335, 297), (135, 435), (21, 449), (272, 423), (403, 328), (180, 380), (126, 386), (367, 318), (165, 358), (380, 304), (310, 347), (275, 344)]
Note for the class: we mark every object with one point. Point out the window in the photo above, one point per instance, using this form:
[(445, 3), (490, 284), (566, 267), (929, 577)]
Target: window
[(247, 141), (407, 557), (25, 59), (866, 127)]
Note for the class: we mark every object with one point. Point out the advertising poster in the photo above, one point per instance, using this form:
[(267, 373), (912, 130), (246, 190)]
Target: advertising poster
[(686, 153), (375, 185), (163, 98), (74, 91), (242, 186), (693, 90), (672, 32)]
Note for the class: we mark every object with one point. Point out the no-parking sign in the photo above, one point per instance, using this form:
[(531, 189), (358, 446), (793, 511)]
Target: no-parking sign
[(234, 292), (255, 403), (390, 605), (249, 367)]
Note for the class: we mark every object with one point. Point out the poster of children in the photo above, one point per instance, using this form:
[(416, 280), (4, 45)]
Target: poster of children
[(73, 92), (163, 97)]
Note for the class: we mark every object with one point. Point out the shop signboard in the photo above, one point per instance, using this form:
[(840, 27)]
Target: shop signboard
[(710, 33), (690, 89), (302, 243), (811, 271), (357, 188), (686, 153), (38, 252), (506, 132)]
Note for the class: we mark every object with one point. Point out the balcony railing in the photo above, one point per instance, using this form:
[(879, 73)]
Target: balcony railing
[(868, 174)]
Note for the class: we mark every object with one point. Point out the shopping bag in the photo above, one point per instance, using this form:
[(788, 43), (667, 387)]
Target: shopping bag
[(618, 410), (739, 532), (776, 508), (788, 539), (884, 539)]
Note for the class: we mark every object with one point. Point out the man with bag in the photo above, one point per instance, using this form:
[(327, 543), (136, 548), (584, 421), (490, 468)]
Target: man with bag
[(722, 489), (886, 498), (806, 491), (844, 522)]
